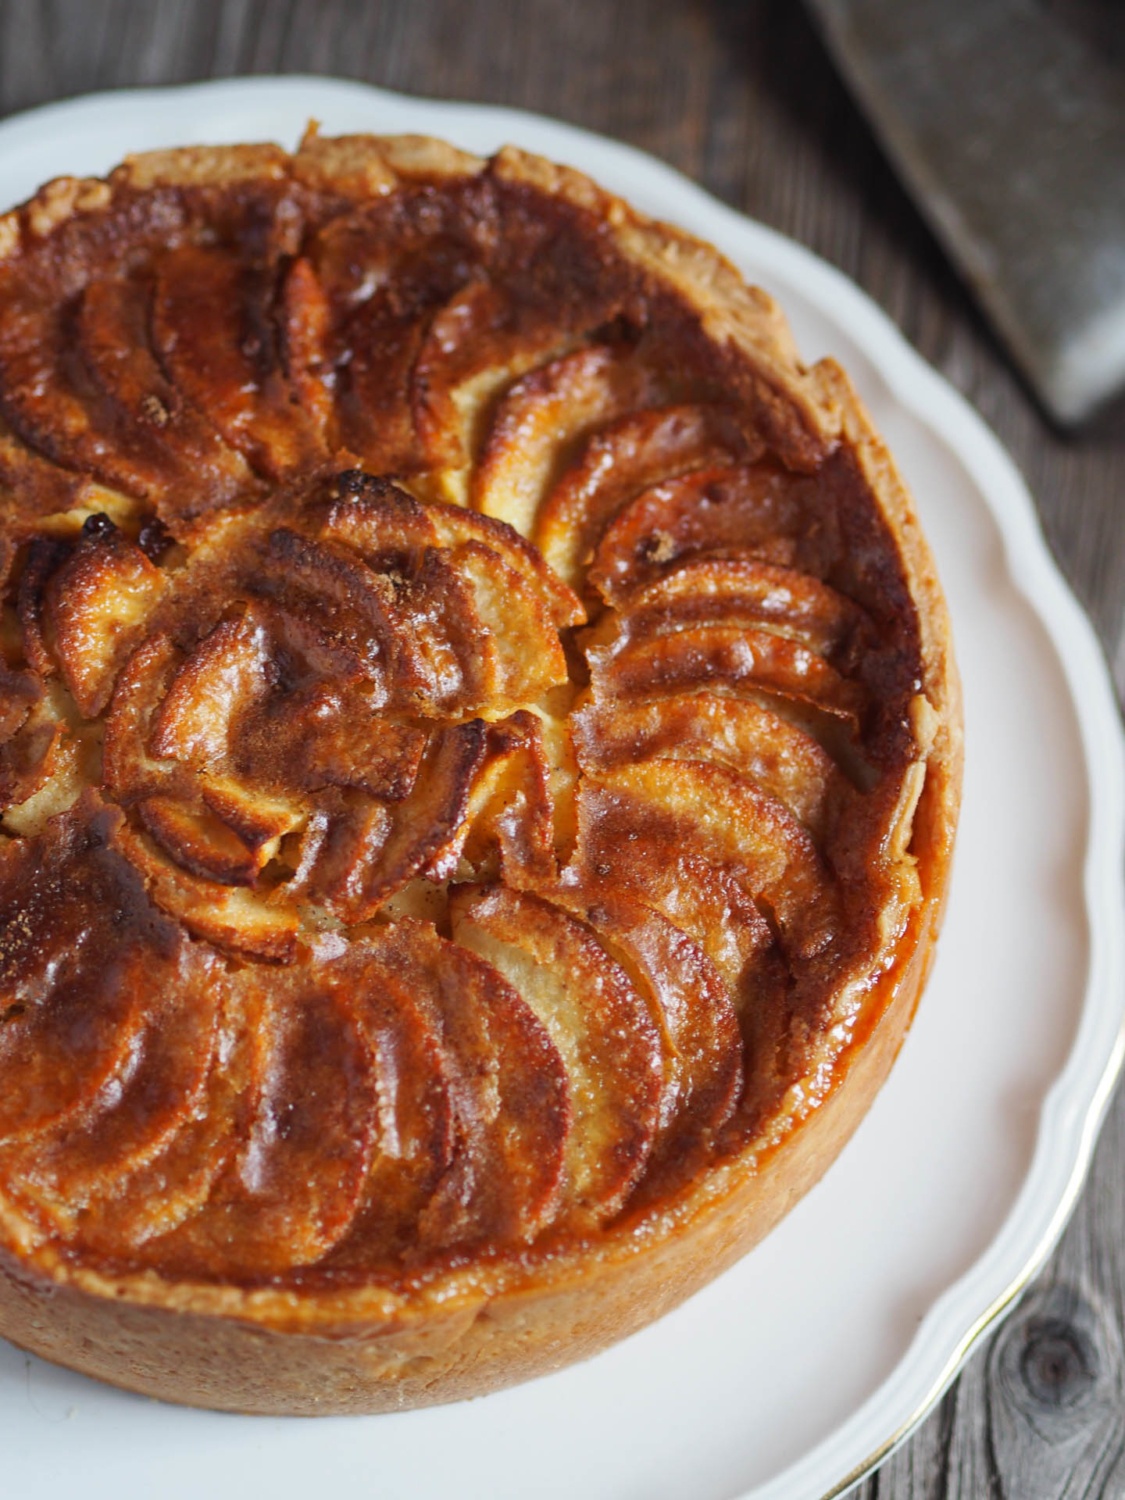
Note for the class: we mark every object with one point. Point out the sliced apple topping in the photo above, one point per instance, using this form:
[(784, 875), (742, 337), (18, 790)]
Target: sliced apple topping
[(631, 454), (214, 332), (96, 607), (743, 735), (758, 508), (199, 470), (598, 1021), (692, 1008), (158, 1195), (134, 1116), (419, 1134), (628, 660), (80, 950), (297, 1181), (728, 818), (511, 1103), (539, 421)]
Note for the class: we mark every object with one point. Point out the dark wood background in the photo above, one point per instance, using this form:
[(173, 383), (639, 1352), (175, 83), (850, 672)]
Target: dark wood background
[(741, 95)]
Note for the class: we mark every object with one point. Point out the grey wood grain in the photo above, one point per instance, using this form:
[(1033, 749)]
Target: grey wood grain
[(740, 94)]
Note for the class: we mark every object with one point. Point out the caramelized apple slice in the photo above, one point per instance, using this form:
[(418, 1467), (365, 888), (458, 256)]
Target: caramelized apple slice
[(31, 484), (96, 604), (297, 1182), (759, 508), (521, 656), (509, 826), (129, 769), (704, 898), (200, 471), (51, 402), (233, 918), (507, 1087), (735, 732), (20, 694), (388, 528), (600, 1024), (539, 420), (44, 557), (384, 270), (412, 630), (81, 944), (213, 331), (482, 339), (133, 1119), (418, 1127), (733, 822), (628, 661), (199, 842), (225, 673), (693, 1009), (357, 855), (161, 1194), (631, 454), (455, 525), (736, 590), (305, 326)]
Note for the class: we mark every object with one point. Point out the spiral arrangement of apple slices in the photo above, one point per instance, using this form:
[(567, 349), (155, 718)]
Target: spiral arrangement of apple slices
[(461, 716)]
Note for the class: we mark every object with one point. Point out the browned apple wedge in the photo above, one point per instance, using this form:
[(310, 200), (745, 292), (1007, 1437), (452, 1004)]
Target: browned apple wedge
[(628, 661), (760, 508), (739, 733), (95, 607), (31, 485), (297, 1182), (357, 854), (200, 470), (389, 528), (129, 769), (539, 421), (631, 454), (384, 270), (509, 826), (81, 944), (199, 842), (305, 321), (44, 556), (51, 401), (482, 339), (727, 818), (214, 334), (455, 525), (745, 590), (694, 1011), (20, 693), (599, 1023), (418, 1127), (507, 1087), (234, 918), (162, 1193), (412, 631), (134, 1118), (519, 651)]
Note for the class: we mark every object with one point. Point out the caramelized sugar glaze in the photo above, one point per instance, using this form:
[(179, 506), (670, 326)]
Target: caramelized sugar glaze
[(479, 758)]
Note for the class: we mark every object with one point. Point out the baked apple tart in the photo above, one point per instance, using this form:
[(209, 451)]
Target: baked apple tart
[(479, 758)]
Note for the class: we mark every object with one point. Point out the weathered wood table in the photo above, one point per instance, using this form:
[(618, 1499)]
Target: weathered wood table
[(740, 95)]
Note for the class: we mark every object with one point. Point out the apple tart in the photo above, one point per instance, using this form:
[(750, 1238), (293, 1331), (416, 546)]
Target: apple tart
[(479, 759)]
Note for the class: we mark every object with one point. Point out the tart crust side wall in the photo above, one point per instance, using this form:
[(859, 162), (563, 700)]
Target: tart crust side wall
[(220, 1363)]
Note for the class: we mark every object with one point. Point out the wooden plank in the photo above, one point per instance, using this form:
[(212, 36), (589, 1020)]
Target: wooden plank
[(741, 95)]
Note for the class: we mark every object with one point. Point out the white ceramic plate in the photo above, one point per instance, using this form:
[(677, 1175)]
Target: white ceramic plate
[(796, 1370)]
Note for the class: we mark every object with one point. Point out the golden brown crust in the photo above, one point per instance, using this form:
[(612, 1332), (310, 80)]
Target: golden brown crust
[(270, 687)]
